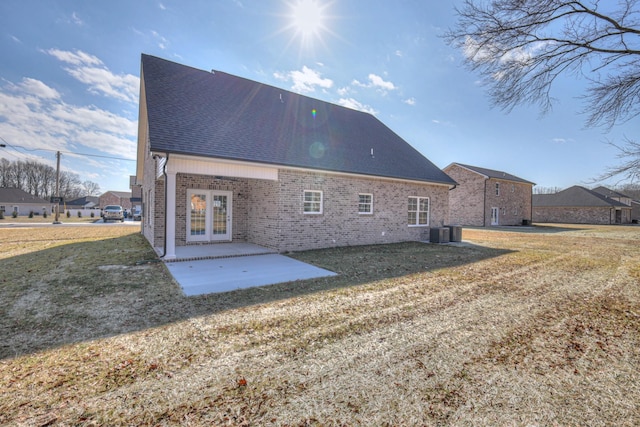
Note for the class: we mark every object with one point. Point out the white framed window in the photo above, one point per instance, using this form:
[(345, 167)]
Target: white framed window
[(312, 202), (497, 188), (365, 203), (418, 211)]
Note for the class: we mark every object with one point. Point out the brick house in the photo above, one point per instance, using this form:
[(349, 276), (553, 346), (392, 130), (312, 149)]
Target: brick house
[(485, 197), (222, 158), (122, 198), (579, 205)]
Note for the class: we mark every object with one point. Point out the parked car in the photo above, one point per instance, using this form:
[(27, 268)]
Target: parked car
[(137, 214), (113, 212)]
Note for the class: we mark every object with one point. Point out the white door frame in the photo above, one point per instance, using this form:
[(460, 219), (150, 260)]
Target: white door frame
[(495, 216), (207, 234)]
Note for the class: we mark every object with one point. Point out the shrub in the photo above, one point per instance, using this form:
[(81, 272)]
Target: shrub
[(79, 214), (30, 214), (1, 214), (68, 214), (93, 214), (14, 214), (44, 214)]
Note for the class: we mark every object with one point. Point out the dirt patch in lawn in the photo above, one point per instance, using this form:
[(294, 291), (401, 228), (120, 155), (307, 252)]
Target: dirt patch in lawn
[(517, 328)]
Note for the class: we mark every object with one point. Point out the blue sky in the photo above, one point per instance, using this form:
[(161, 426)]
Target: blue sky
[(69, 80)]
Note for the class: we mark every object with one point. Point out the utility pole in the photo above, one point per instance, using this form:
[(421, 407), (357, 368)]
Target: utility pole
[(56, 221)]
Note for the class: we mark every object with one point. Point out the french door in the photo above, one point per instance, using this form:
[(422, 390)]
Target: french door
[(495, 216), (209, 215)]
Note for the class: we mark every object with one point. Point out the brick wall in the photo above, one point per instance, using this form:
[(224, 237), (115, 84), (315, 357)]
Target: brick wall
[(340, 224), (578, 215), (466, 201), (513, 202), (109, 198), (471, 201), (270, 213)]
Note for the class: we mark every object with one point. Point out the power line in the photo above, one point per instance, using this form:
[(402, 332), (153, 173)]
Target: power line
[(65, 152)]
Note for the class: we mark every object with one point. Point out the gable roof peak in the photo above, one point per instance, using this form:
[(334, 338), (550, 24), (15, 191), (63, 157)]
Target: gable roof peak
[(491, 173), (196, 113)]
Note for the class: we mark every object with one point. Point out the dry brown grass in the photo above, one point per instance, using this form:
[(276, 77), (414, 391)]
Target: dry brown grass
[(521, 328)]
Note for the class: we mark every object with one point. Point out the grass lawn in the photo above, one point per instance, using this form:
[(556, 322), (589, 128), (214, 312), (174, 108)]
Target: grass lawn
[(522, 326)]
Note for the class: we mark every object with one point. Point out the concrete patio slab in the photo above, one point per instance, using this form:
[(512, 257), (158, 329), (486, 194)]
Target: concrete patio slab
[(207, 276)]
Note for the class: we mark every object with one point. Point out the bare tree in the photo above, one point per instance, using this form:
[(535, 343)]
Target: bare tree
[(546, 190), (520, 48), (91, 188), (39, 179)]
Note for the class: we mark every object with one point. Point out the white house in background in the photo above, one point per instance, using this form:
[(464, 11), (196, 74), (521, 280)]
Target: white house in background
[(16, 200)]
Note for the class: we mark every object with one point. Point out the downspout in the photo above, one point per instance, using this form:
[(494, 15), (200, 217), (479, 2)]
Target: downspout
[(164, 172)]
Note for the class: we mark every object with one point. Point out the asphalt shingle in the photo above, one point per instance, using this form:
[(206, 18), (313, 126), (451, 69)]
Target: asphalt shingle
[(219, 115)]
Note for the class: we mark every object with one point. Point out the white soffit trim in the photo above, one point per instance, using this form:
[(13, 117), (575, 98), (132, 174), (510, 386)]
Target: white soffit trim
[(217, 167)]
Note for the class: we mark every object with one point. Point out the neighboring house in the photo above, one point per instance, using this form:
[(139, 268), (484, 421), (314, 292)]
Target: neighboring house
[(622, 198), (485, 197), (579, 205), (16, 200), (222, 158), (87, 202), (122, 198), (136, 194)]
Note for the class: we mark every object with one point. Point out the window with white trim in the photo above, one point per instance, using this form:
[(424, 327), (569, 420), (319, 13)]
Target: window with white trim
[(418, 211), (312, 202), (365, 203), (497, 188)]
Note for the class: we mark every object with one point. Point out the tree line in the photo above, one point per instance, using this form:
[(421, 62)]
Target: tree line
[(39, 180)]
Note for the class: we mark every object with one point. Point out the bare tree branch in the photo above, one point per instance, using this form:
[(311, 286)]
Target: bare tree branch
[(521, 47)]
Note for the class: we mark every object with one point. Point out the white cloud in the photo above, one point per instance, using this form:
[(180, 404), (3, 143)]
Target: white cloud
[(34, 115), (305, 80), (162, 42), (38, 89), (162, 6), (562, 140), (410, 101), (74, 58), (377, 82), (91, 71), (76, 19), (356, 105)]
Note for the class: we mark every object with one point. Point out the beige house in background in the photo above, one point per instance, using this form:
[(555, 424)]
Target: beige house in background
[(487, 197)]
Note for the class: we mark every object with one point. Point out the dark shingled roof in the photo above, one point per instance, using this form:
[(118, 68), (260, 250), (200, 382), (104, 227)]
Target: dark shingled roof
[(219, 115), (490, 173), (609, 193), (15, 195), (575, 196)]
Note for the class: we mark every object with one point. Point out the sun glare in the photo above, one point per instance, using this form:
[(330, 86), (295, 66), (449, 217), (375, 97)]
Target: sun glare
[(307, 17)]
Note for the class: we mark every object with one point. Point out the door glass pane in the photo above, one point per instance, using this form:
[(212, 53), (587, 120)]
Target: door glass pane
[(198, 214), (219, 214)]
